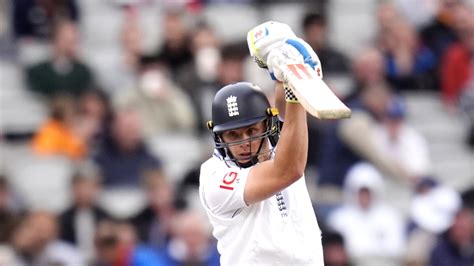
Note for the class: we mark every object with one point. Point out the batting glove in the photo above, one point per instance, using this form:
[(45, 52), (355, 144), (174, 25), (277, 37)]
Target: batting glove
[(265, 37), (274, 45)]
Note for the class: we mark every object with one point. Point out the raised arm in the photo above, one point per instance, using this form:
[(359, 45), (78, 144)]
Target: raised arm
[(288, 165)]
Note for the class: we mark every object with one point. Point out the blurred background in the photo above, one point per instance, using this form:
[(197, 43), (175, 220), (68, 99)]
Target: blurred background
[(103, 105)]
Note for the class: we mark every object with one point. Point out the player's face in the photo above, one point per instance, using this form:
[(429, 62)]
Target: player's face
[(244, 142), (365, 198)]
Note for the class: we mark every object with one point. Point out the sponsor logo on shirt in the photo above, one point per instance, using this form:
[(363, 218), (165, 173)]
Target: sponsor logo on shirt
[(229, 180)]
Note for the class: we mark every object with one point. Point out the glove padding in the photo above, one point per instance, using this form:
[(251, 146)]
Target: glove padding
[(274, 45), (265, 37)]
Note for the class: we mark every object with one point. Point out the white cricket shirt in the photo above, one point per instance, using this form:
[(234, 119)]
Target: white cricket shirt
[(281, 230)]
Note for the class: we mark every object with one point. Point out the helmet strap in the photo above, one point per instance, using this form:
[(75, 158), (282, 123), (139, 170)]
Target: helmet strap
[(274, 126), (222, 151)]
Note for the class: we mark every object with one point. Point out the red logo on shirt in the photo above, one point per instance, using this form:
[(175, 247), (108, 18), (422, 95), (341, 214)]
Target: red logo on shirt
[(228, 180)]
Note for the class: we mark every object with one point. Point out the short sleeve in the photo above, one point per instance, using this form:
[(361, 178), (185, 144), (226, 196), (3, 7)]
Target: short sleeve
[(223, 191)]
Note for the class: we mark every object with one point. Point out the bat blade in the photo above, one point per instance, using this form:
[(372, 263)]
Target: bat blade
[(315, 96)]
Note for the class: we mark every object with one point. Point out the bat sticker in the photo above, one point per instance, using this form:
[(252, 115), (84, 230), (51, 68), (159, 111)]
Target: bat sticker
[(298, 70)]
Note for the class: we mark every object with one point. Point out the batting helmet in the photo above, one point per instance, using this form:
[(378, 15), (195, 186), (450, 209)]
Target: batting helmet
[(240, 105)]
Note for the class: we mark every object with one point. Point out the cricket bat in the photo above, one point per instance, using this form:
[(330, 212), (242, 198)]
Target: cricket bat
[(315, 96)]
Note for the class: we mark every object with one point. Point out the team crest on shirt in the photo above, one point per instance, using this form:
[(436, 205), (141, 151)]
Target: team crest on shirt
[(232, 106)]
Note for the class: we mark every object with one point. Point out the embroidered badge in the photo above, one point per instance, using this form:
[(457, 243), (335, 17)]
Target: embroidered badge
[(232, 106)]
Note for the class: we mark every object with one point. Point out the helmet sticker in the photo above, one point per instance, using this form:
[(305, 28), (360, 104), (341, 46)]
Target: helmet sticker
[(255, 87), (232, 106)]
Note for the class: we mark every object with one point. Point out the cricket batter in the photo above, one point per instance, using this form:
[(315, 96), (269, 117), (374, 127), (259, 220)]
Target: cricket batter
[(254, 190)]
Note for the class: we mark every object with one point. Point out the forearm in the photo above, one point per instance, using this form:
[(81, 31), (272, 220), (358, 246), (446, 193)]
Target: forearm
[(291, 155), (280, 102)]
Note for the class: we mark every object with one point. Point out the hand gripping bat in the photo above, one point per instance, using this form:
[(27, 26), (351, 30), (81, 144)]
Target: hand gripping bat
[(291, 60)]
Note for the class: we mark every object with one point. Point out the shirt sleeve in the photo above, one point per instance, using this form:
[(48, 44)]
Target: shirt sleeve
[(224, 191)]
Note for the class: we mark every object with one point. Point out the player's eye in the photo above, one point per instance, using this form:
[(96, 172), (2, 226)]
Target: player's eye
[(252, 131), (232, 135)]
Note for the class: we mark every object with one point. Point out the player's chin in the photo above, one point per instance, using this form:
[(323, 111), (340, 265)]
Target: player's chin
[(244, 160), (245, 156)]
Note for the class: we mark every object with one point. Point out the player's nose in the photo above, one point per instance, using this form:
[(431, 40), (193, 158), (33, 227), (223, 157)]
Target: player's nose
[(245, 144)]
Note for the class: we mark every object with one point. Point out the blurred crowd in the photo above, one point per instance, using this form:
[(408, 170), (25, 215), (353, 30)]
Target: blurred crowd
[(110, 174)]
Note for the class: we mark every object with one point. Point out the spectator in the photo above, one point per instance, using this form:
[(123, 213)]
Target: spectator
[(187, 196), (35, 241), (418, 16), (63, 72), (439, 33), (315, 27), (456, 245), (162, 106), (432, 211), (468, 198), (198, 75), (131, 37), (55, 251), (336, 154), (368, 69), (334, 250), (94, 106), (191, 242), (340, 145), (175, 50), (368, 110), (206, 56), (106, 244), (8, 215), (372, 230), (123, 155), (466, 102), (133, 252), (401, 142), (65, 133), (409, 64), (457, 65), (24, 243), (34, 18), (154, 221), (79, 221), (230, 69), (120, 71), (116, 245)]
